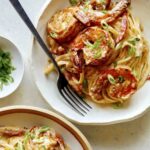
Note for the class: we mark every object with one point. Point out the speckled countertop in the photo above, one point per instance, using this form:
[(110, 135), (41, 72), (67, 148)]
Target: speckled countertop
[(134, 135)]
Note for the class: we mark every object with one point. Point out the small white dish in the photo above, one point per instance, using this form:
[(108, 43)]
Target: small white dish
[(27, 116), (99, 115), (17, 61)]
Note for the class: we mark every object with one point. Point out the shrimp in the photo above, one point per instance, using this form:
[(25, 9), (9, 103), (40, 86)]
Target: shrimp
[(96, 45), (63, 26), (120, 83), (88, 16)]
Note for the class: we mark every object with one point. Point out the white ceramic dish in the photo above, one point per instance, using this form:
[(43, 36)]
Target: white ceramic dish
[(17, 62), (139, 103), (26, 116)]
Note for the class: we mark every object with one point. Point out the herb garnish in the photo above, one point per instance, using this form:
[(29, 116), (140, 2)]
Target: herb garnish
[(131, 50), (85, 83), (111, 79), (6, 69), (74, 2), (95, 47), (115, 64), (98, 54), (117, 105), (121, 79), (134, 41), (53, 35), (44, 129)]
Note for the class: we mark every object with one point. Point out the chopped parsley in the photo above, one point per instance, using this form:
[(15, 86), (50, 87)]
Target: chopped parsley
[(85, 83), (134, 72), (44, 129), (105, 25), (86, 6), (103, 2), (94, 46), (131, 51), (53, 35), (117, 105), (104, 11), (121, 79), (134, 41), (74, 2), (19, 146), (6, 69), (44, 147), (111, 79), (115, 64), (98, 54)]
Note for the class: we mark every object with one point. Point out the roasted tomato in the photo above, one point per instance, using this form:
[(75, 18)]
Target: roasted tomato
[(118, 83), (88, 16), (63, 26), (96, 44)]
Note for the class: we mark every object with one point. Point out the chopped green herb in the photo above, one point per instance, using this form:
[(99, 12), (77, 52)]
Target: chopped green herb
[(44, 147), (88, 44), (27, 137), (96, 44), (117, 105), (98, 54), (115, 64), (131, 50), (86, 6), (85, 83), (104, 11), (44, 129), (53, 35), (74, 2), (119, 46), (6, 69), (111, 79), (134, 41), (93, 46), (102, 1), (134, 73), (105, 25), (19, 146), (121, 79)]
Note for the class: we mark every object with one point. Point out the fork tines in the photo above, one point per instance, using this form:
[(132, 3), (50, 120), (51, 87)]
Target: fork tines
[(75, 101)]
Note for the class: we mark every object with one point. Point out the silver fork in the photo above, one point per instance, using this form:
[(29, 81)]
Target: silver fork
[(72, 98)]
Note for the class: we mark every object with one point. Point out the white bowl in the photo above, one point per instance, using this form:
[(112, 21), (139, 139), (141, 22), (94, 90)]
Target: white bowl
[(17, 62), (139, 103), (26, 116)]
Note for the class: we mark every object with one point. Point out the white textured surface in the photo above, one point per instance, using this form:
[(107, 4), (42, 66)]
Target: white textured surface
[(134, 135)]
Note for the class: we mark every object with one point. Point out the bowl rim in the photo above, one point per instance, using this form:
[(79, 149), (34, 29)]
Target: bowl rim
[(49, 115), (23, 66)]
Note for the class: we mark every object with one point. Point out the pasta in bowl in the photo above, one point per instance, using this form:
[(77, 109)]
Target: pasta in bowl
[(101, 49), (34, 138)]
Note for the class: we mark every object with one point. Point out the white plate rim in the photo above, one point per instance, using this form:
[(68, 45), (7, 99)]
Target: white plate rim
[(131, 118)]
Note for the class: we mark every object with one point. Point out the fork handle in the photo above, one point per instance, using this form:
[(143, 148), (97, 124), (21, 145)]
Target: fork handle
[(16, 4)]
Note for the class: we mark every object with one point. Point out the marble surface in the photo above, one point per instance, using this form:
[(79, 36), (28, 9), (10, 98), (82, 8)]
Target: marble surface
[(134, 135)]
